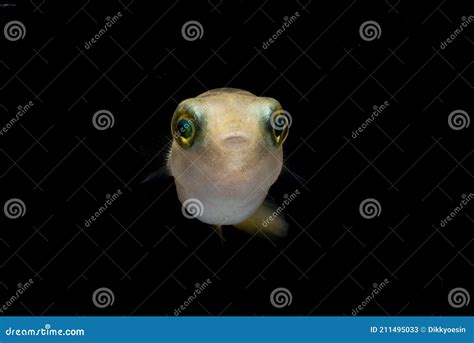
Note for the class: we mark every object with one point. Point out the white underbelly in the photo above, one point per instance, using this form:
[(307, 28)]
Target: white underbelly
[(223, 208)]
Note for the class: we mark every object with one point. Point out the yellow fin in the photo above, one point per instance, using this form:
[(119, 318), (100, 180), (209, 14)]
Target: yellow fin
[(263, 222)]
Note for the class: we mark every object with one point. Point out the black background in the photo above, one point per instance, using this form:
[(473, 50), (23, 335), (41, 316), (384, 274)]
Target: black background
[(322, 72)]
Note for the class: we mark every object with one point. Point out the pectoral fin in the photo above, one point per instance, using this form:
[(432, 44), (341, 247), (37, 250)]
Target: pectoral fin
[(268, 219), (218, 229)]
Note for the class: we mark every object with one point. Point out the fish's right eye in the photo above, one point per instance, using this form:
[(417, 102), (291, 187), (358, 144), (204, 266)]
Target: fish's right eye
[(185, 130)]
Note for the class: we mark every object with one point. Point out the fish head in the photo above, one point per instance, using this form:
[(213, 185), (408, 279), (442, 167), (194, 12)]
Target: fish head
[(227, 144)]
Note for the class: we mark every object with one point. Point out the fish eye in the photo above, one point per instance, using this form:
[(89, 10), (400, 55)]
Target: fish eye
[(280, 122), (184, 130), (279, 135)]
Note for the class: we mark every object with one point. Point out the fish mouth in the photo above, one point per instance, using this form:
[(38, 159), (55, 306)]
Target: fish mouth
[(235, 139)]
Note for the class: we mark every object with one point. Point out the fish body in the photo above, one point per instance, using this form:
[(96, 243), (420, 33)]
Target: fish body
[(225, 155)]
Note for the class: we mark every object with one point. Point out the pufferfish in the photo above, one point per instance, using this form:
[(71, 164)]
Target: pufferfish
[(226, 153)]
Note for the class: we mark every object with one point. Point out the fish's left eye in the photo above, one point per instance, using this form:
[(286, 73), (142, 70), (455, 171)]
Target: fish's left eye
[(280, 122), (185, 130)]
